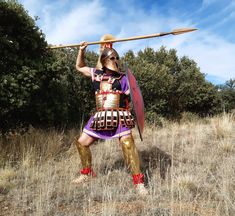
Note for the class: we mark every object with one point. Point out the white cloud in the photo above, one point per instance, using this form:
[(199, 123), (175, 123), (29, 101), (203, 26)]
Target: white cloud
[(33, 6), (91, 19), (81, 22), (213, 55)]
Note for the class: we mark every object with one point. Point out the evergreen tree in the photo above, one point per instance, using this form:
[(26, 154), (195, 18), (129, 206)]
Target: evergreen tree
[(22, 51), (170, 85), (227, 95)]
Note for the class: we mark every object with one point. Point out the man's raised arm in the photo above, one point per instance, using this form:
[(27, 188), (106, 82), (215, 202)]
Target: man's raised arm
[(80, 63)]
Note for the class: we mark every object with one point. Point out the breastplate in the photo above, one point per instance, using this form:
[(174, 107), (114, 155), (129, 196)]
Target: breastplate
[(107, 100), (111, 104), (108, 93)]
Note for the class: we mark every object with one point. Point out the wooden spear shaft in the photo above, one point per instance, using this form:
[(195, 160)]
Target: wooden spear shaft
[(173, 32)]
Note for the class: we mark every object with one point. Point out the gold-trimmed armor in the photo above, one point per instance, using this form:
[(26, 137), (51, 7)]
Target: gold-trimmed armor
[(112, 105), (107, 100), (109, 119)]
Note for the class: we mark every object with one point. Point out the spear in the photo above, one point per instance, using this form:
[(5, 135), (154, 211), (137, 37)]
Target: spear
[(173, 32)]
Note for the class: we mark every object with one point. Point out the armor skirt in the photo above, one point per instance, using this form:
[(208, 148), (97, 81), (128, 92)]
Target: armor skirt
[(109, 124)]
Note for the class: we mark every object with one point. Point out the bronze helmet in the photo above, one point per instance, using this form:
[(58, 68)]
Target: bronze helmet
[(110, 59)]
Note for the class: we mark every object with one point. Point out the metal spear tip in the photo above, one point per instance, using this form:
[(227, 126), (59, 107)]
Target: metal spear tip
[(183, 30)]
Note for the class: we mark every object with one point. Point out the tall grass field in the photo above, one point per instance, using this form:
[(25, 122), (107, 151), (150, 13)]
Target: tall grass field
[(189, 169)]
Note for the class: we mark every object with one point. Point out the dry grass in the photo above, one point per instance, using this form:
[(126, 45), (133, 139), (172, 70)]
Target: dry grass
[(190, 170)]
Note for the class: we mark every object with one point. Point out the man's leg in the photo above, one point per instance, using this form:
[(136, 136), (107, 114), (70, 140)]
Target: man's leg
[(131, 157), (84, 151)]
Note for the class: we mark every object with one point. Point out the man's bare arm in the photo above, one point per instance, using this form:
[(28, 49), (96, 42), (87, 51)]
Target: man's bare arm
[(80, 63)]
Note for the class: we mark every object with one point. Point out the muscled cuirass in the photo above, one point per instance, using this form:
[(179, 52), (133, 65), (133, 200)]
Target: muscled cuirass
[(112, 104)]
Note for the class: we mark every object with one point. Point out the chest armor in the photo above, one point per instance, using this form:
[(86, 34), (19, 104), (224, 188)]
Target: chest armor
[(112, 106), (108, 92)]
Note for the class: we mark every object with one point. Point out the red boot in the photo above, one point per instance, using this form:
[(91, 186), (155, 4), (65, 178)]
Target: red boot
[(138, 180), (86, 175)]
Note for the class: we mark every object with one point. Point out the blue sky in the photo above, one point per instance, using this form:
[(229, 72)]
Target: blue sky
[(212, 46)]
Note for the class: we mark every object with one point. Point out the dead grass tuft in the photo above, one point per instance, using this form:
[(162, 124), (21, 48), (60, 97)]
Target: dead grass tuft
[(226, 145), (6, 175), (186, 182), (223, 126), (189, 167)]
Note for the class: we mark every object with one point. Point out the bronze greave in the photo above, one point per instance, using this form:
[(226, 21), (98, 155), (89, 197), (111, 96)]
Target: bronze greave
[(130, 154), (85, 155)]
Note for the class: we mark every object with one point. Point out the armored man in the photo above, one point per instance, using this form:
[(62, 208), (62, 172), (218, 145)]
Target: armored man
[(112, 118)]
